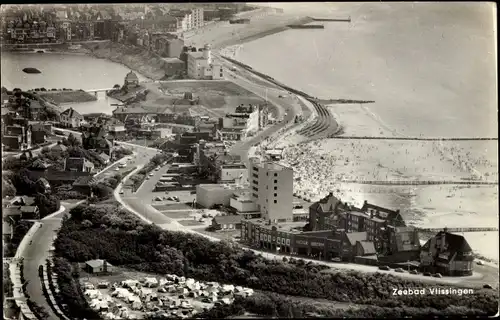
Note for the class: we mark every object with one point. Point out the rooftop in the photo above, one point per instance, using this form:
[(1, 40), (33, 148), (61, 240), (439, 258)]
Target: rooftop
[(283, 227), (198, 55), (228, 219), (173, 60), (218, 186)]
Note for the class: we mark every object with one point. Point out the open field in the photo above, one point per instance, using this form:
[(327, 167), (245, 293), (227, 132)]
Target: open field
[(190, 223), (223, 235), (177, 214), (220, 97)]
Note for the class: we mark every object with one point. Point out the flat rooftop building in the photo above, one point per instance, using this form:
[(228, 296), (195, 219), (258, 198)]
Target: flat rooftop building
[(272, 190)]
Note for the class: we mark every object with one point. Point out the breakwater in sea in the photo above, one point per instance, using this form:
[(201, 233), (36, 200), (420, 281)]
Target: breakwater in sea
[(418, 182), (306, 26), (412, 139), (332, 19)]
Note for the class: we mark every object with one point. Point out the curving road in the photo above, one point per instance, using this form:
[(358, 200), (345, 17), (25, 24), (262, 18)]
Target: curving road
[(36, 253)]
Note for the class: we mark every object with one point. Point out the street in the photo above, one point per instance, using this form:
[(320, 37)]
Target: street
[(36, 253)]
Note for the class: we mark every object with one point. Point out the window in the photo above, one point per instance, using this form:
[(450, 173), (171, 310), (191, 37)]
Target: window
[(275, 181), (275, 201), (275, 174), (275, 188), (275, 194)]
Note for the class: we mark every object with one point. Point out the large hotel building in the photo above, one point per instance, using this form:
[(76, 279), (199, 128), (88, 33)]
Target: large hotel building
[(271, 185)]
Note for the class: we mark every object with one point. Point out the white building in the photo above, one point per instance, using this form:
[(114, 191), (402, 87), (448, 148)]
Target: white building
[(208, 195), (200, 66), (243, 202), (197, 17), (271, 185), (236, 172)]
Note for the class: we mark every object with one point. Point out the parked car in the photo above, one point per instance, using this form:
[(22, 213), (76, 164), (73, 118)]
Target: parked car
[(121, 192), (151, 174), (157, 198), (437, 275), (413, 272), (487, 286), (385, 268), (336, 259), (193, 192), (117, 169), (170, 199), (427, 274), (479, 263), (400, 270)]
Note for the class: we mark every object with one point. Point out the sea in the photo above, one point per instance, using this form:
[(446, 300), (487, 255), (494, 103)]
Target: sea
[(62, 70)]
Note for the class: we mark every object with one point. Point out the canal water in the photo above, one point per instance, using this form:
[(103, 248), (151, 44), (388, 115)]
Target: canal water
[(72, 71)]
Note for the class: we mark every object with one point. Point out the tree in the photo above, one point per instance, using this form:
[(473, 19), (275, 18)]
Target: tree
[(73, 141), (8, 188), (47, 204)]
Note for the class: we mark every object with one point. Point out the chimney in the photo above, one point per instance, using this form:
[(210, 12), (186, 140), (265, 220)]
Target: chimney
[(371, 214), (105, 266)]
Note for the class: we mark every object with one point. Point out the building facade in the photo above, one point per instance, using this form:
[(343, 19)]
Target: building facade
[(272, 190), (448, 254)]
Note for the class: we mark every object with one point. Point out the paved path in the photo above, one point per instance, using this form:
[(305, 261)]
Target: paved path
[(36, 253)]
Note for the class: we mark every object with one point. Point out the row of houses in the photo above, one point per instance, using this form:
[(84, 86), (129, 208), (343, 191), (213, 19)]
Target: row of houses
[(370, 234)]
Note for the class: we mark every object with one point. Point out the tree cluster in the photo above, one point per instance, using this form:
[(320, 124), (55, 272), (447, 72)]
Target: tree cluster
[(70, 292), (122, 152), (110, 233), (47, 204)]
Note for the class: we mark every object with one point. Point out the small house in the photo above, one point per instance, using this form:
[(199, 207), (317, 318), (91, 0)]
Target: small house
[(70, 118), (78, 164), (29, 212), (104, 157), (98, 266), (230, 222)]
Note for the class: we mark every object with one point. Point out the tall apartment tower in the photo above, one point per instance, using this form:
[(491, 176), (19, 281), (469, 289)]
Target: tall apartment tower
[(272, 190)]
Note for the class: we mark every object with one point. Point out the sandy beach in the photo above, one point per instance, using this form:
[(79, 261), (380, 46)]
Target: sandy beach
[(223, 34)]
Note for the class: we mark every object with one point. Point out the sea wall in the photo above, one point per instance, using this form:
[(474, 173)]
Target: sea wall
[(138, 59)]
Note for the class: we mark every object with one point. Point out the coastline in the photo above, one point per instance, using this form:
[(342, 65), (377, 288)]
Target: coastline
[(401, 160)]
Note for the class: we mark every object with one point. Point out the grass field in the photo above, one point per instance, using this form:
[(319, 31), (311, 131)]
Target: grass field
[(190, 223), (219, 97)]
